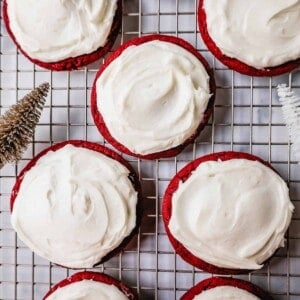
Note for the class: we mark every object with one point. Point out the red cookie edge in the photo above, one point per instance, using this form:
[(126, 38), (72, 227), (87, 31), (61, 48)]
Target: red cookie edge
[(214, 282), (99, 277), (99, 121), (236, 64), (108, 152), (183, 175), (72, 63)]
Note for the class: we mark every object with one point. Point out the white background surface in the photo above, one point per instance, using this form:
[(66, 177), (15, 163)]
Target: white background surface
[(247, 118)]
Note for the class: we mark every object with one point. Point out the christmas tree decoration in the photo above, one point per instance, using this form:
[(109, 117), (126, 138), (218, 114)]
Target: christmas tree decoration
[(291, 115), (17, 125)]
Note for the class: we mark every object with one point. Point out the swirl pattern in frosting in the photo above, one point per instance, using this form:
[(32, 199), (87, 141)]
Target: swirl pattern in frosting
[(225, 292), (75, 206), (153, 96), (87, 290), (53, 30), (231, 214), (260, 33)]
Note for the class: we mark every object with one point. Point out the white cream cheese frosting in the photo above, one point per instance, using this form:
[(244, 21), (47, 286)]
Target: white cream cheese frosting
[(88, 290), (260, 33), (53, 30), (153, 97), (75, 206), (232, 214), (225, 293)]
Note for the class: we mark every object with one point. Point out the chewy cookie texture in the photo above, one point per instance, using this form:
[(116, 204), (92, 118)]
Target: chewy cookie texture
[(257, 38), (219, 288), (76, 204), (90, 286), (163, 99), (49, 39), (227, 213)]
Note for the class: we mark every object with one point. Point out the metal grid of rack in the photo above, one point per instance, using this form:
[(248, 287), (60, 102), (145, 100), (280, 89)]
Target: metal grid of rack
[(247, 118)]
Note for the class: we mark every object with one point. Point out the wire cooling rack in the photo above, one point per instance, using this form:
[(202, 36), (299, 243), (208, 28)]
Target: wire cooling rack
[(247, 118)]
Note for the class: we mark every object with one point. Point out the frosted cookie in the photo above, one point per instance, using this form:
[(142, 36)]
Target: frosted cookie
[(259, 38), (219, 288), (76, 204), (63, 35), (153, 96), (90, 286), (227, 212)]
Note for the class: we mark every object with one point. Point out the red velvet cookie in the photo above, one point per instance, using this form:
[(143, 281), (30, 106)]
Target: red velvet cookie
[(98, 277), (233, 63), (71, 63), (214, 282), (100, 149), (98, 117), (181, 177)]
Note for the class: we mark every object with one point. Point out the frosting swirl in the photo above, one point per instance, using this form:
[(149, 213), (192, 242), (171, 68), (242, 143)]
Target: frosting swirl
[(153, 96), (75, 206), (232, 214), (225, 292), (259, 33), (87, 290), (53, 30)]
